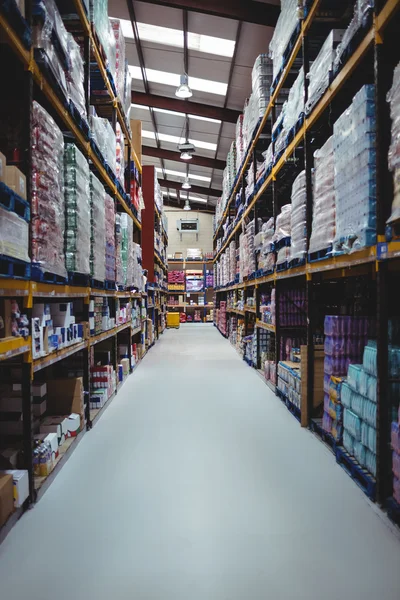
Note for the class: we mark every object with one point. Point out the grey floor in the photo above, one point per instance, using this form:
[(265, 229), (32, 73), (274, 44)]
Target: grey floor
[(197, 484)]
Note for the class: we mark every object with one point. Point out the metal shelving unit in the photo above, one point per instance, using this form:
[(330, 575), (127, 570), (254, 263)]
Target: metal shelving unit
[(195, 266), (372, 60)]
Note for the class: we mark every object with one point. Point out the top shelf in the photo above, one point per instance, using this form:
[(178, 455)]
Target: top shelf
[(380, 23)]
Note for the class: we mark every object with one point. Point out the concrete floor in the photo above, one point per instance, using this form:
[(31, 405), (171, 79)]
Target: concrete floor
[(197, 484)]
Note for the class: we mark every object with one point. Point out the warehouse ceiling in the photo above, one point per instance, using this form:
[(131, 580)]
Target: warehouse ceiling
[(218, 53)]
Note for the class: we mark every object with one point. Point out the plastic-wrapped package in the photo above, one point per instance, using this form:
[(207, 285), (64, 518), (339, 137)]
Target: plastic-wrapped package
[(295, 103), (393, 98), (119, 274), (14, 235), (346, 395), (77, 210), (298, 218), (370, 462), (49, 27), (98, 229), (137, 267), (105, 138), (283, 223), (355, 173), (348, 442), (353, 376), (48, 219), (361, 10), (127, 99), (368, 436), (370, 359), (110, 238), (321, 69), (120, 58), (105, 33), (324, 206), (76, 77), (284, 29), (359, 452), (357, 404), (120, 157), (352, 424), (240, 148)]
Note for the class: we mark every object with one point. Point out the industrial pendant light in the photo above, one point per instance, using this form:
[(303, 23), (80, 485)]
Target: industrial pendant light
[(186, 184), (184, 91), (186, 156), (187, 205)]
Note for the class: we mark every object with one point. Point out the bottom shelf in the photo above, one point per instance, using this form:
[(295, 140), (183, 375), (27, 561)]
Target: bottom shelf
[(9, 524)]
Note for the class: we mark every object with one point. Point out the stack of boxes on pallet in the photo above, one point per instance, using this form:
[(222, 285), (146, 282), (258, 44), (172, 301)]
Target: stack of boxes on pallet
[(54, 327)]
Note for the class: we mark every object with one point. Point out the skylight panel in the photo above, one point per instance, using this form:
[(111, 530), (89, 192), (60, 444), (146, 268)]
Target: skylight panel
[(176, 114), (173, 139), (172, 79), (183, 175), (192, 198)]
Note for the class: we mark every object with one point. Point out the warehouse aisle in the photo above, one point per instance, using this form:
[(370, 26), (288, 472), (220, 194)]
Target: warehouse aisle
[(197, 484)]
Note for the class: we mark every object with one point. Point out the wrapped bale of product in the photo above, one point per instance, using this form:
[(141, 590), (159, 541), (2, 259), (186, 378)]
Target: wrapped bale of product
[(298, 218), (119, 275), (355, 173), (291, 12), (127, 255), (320, 74), (120, 155), (110, 238), (394, 150), (362, 9), (50, 38), (137, 267), (14, 235), (77, 210), (104, 31), (76, 77), (98, 229), (120, 57), (48, 217), (292, 111), (240, 148), (283, 232), (266, 259), (324, 205), (105, 138)]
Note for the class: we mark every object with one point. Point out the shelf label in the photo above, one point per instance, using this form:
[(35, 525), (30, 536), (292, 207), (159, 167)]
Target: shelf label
[(382, 250)]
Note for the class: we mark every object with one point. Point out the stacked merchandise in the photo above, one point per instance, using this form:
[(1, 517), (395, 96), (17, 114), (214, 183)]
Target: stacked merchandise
[(137, 273), (394, 150), (119, 155), (291, 12), (123, 312), (240, 146), (292, 314), (103, 385), (104, 31), (77, 211), (267, 310), (362, 9), (197, 316), (50, 40), (110, 238), (298, 249), (209, 279), (222, 317), (14, 235), (267, 350), (105, 139), (355, 173), (241, 331), (261, 79), (292, 111), (266, 257), (135, 191), (269, 158), (97, 229), (48, 220), (127, 258), (13, 323), (324, 206), (289, 381), (76, 77), (320, 74), (119, 275), (120, 62), (345, 339), (248, 354), (176, 277), (194, 281), (395, 438), (96, 315), (282, 235), (233, 323), (231, 167), (232, 261)]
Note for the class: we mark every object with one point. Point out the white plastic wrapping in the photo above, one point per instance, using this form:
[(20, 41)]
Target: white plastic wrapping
[(48, 219), (76, 77), (98, 229), (99, 17), (14, 235), (137, 267), (394, 150), (361, 10), (324, 206), (298, 218), (321, 69), (77, 210), (105, 139), (120, 70), (120, 155), (266, 258), (287, 23), (283, 223), (110, 238), (355, 173)]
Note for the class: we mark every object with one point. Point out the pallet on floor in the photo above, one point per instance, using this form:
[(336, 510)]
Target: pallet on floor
[(361, 476)]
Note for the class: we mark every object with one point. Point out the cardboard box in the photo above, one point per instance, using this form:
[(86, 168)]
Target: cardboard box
[(39, 390), (6, 497), (50, 438), (21, 486), (39, 407), (318, 384), (65, 396), (74, 425), (10, 404), (3, 164), (16, 181), (57, 425)]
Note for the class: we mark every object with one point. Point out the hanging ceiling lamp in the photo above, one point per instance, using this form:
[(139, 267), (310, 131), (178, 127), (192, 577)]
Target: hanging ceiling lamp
[(186, 156), (184, 91), (187, 205), (186, 184)]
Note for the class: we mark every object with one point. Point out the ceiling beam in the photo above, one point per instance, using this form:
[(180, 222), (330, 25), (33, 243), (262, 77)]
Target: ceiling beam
[(249, 11), (199, 161), (226, 115), (195, 189)]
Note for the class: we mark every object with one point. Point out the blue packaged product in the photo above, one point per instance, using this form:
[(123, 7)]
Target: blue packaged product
[(346, 394), (359, 452), (371, 388), (370, 462), (357, 404), (394, 361), (348, 442), (369, 360), (368, 436), (353, 424), (369, 413), (353, 376)]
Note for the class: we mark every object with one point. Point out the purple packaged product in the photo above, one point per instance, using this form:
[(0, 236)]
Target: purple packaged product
[(396, 464), (327, 383), (327, 423), (395, 437)]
